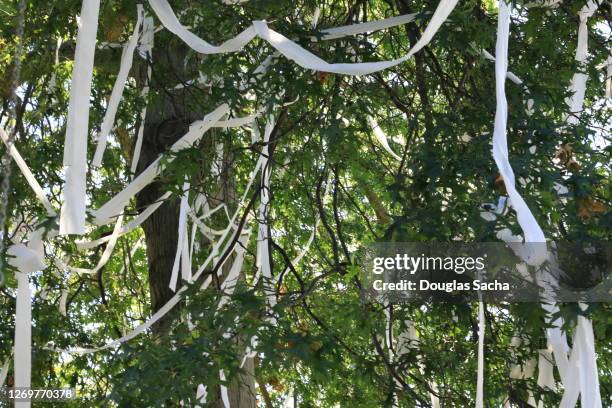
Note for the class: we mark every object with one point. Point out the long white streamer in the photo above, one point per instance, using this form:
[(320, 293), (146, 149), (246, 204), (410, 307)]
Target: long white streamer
[(578, 84), (543, 3), (511, 76), (182, 236), (368, 27), (108, 251), (230, 282), (130, 226), (230, 227), (119, 229), (382, 138), (608, 65), (124, 69), (289, 48), (25, 170), (142, 217), (224, 392), (72, 219), (306, 247), (26, 259), (186, 266), (146, 50), (530, 227), (528, 223), (23, 336), (481, 336), (546, 377), (201, 393), (580, 375), (583, 365), (115, 205), (531, 230), (63, 302), (170, 21), (263, 236)]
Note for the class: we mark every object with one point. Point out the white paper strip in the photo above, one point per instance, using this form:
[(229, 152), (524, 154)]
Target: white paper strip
[(138, 330), (509, 74), (311, 238), (72, 219), (124, 69), (263, 244), (62, 265), (583, 378), (25, 170), (115, 205), (182, 232), (306, 247), (62, 307), (147, 38), (382, 138), (289, 48), (140, 135), (546, 378), (224, 393), (146, 51), (170, 21), (216, 247), (201, 394), (186, 257), (481, 336), (156, 316), (368, 27), (609, 77), (26, 259), (580, 375), (229, 283), (130, 226), (578, 85), (236, 122), (589, 379), (531, 229), (543, 3), (528, 223), (389, 343), (108, 251), (315, 17), (208, 232), (23, 336), (407, 340)]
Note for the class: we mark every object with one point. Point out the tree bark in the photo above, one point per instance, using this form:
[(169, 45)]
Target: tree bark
[(166, 121)]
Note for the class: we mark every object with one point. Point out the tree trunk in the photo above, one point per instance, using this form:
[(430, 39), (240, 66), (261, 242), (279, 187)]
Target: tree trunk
[(168, 119), (165, 123)]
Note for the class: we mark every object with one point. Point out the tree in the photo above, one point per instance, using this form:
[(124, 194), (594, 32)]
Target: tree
[(329, 177)]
